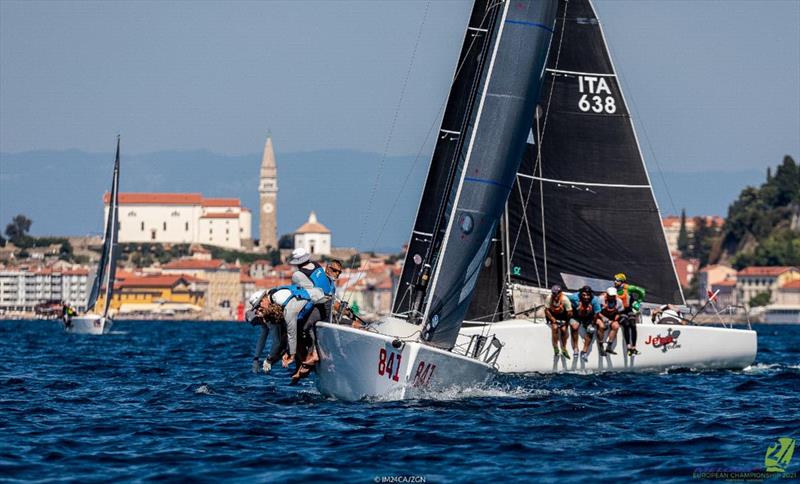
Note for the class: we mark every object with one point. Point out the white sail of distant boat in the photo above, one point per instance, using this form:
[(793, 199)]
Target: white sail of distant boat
[(94, 321), (485, 126), (581, 210)]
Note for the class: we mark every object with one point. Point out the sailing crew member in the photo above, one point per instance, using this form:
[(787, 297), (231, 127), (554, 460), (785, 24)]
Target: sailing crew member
[(67, 313), (585, 308), (326, 281), (610, 311), (268, 317), (558, 311), (631, 297)]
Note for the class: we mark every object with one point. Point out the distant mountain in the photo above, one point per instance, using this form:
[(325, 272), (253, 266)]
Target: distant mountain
[(61, 190)]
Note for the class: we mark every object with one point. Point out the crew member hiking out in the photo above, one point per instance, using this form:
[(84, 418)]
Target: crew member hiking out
[(558, 311), (585, 308), (632, 298), (610, 311), (269, 317)]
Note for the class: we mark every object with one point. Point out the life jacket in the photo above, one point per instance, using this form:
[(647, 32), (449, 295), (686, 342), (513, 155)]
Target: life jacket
[(557, 308), (322, 281), (623, 295), (608, 310), (297, 293), (584, 311)]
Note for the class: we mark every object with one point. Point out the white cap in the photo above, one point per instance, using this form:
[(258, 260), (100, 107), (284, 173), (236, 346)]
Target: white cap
[(256, 297), (299, 256), (611, 291)]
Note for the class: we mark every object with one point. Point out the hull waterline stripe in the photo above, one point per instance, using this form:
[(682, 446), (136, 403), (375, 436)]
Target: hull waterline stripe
[(487, 182), (530, 24), (583, 184), (578, 73)]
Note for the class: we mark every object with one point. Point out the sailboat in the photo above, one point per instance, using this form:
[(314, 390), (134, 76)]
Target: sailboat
[(478, 150), (581, 210), (100, 322)]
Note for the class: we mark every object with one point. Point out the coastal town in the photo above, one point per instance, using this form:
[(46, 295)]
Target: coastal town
[(187, 256)]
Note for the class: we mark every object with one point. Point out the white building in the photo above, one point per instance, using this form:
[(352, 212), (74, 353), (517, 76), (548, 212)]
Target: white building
[(21, 289), (754, 280), (313, 236), (182, 218)]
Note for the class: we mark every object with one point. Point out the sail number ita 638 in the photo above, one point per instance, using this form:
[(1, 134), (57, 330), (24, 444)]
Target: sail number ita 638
[(595, 95)]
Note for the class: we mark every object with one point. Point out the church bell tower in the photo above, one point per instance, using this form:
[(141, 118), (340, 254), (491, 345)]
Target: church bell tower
[(268, 195)]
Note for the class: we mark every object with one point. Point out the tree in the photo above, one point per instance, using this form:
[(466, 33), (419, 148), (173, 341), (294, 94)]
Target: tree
[(65, 251), (760, 299), (17, 231), (683, 236)]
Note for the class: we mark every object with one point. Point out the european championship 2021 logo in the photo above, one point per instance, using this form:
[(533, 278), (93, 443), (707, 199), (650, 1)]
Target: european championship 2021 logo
[(779, 455)]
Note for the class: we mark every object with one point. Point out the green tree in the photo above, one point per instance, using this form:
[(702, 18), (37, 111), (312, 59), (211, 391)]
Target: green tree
[(17, 231), (65, 251), (760, 299), (683, 236)]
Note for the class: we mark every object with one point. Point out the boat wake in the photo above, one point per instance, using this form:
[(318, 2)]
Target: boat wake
[(764, 369)]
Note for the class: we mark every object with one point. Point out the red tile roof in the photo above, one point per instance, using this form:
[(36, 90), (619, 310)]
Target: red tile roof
[(156, 198), (195, 264), (153, 281), (765, 271), (725, 283), (272, 281), (221, 202), (791, 285)]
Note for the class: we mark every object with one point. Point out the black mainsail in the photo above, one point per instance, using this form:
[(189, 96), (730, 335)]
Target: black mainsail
[(446, 157), (582, 208), (494, 139), (106, 269)]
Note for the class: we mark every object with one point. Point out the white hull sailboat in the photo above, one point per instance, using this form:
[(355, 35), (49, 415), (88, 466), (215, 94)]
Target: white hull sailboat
[(527, 348), (481, 140), (89, 324), (357, 364), (101, 322), (580, 210)]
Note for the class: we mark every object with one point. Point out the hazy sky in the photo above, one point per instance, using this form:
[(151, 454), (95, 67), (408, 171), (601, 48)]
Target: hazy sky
[(715, 84)]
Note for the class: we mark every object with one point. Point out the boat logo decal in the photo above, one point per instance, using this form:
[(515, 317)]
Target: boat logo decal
[(668, 342)]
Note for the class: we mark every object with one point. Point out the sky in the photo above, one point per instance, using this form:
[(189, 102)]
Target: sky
[(713, 84)]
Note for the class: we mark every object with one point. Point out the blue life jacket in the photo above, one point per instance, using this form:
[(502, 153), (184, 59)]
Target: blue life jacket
[(298, 292), (322, 281)]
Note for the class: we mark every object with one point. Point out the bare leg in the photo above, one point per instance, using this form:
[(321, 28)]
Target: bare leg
[(574, 329), (554, 334)]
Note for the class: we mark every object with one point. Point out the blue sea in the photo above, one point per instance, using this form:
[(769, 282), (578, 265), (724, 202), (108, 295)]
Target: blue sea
[(177, 401)]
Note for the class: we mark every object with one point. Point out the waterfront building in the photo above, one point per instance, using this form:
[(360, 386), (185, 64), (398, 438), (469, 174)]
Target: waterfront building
[(754, 280), (182, 218), (268, 199), (713, 277), (224, 283), (313, 236), (166, 294), (22, 288)]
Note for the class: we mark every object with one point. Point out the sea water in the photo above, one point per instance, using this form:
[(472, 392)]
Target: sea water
[(178, 401)]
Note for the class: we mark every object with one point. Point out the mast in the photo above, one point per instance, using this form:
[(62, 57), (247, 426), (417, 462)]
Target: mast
[(497, 133), (113, 221), (100, 274)]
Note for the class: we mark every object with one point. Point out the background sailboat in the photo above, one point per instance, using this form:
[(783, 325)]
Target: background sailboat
[(581, 210), (98, 321)]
